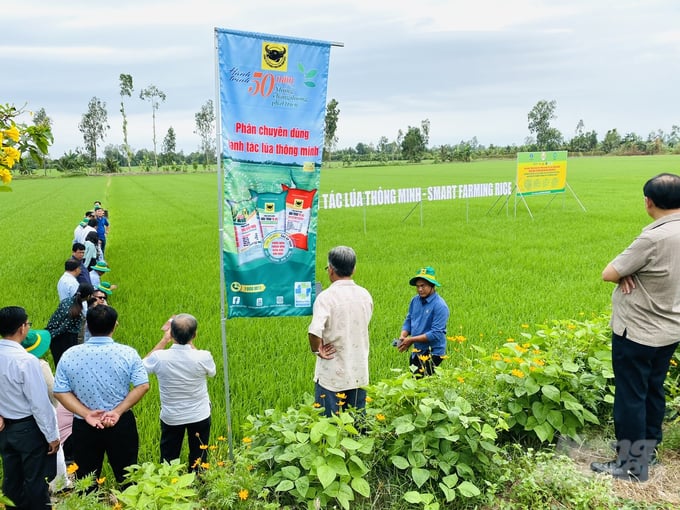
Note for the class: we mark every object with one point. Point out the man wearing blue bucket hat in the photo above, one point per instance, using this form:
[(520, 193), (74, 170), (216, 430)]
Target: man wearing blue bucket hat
[(424, 329)]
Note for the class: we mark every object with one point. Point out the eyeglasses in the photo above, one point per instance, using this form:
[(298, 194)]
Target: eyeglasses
[(100, 297)]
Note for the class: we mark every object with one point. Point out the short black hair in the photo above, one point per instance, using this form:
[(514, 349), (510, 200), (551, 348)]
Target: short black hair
[(78, 246), (101, 320), (92, 222), (71, 265), (11, 319), (343, 260), (663, 190), (183, 328)]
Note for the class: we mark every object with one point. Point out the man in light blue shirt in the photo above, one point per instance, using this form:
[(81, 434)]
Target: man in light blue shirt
[(100, 381), (29, 436)]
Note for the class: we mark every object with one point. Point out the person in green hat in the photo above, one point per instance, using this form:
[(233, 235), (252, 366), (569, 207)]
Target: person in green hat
[(424, 329)]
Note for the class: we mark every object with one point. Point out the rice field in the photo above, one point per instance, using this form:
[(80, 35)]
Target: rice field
[(500, 268)]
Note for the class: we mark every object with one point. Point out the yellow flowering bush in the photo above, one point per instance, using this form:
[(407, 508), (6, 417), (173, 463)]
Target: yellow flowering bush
[(17, 139)]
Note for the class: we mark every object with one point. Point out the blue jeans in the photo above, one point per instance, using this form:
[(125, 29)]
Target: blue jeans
[(329, 400)]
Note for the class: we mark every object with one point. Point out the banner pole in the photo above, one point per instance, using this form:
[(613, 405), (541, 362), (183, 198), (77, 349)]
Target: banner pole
[(220, 213)]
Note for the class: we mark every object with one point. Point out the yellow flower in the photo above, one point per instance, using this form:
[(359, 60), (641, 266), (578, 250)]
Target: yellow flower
[(380, 417), (205, 465), (424, 357), (174, 480), (517, 360), (525, 326), (117, 506), (5, 176), (12, 133), (196, 463), (517, 373), (247, 440), (243, 494), (341, 395), (496, 357), (460, 380), (213, 447), (203, 447), (369, 399), (444, 356), (415, 350), (507, 360), (539, 362), (11, 156), (526, 345), (571, 326), (341, 403), (101, 480), (537, 351), (221, 438), (510, 340), (316, 404), (72, 468), (220, 463), (322, 396), (674, 363)]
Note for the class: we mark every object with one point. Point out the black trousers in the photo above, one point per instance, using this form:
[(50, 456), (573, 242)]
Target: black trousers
[(172, 437), (120, 443), (423, 368), (60, 343), (26, 465), (639, 398)]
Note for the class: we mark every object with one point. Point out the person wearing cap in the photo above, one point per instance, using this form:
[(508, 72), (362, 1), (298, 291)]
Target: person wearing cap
[(424, 329), (338, 336), (30, 437), (97, 271), (37, 342), (100, 381), (102, 226), (182, 372), (90, 227), (83, 223)]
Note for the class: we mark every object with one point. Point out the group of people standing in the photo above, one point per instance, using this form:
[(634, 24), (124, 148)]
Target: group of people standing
[(84, 411)]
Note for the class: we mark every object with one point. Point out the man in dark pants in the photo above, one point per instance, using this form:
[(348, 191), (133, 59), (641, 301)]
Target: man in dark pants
[(93, 381), (29, 435), (645, 330)]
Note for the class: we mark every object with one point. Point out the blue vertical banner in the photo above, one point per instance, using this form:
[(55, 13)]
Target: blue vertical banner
[(272, 92)]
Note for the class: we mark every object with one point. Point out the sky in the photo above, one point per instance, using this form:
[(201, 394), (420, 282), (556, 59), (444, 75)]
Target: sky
[(473, 68)]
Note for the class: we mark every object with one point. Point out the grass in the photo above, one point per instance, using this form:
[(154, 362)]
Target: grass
[(499, 269)]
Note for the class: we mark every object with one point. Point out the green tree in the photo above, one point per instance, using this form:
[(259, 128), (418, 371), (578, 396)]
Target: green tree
[(413, 147), (169, 147), (331, 126), (43, 121), (155, 97), (125, 91), (93, 126), (547, 137), (612, 141), (205, 128)]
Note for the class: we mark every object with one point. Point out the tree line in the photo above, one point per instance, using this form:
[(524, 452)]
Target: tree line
[(411, 144)]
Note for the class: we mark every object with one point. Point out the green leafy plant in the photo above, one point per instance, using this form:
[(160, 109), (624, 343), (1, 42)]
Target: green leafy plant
[(311, 458), (159, 486)]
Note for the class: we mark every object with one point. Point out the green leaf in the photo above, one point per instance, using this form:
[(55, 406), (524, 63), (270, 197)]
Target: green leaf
[(468, 490), (284, 486), (302, 485), (420, 476), (413, 497), (357, 466), (531, 386), (551, 392), (361, 486), (311, 74), (326, 475), (337, 452), (350, 444), (400, 462), (449, 494), (450, 480), (301, 67), (555, 419), (544, 431), (290, 472), (570, 366), (310, 84)]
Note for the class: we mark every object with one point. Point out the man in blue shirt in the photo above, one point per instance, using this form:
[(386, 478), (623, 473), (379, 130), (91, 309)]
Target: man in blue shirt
[(425, 325), (102, 226), (93, 381)]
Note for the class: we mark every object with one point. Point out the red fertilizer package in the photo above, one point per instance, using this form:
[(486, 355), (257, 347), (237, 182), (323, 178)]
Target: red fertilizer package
[(298, 214)]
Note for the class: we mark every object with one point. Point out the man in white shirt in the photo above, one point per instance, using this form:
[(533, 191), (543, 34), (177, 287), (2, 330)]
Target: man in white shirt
[(29, 439), (182, 371), (67, 286), (338, 335)]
